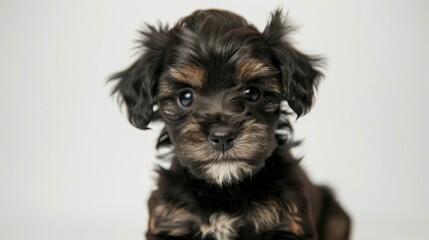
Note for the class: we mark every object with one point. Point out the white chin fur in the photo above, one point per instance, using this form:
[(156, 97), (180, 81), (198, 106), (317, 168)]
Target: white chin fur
[(226, 173)]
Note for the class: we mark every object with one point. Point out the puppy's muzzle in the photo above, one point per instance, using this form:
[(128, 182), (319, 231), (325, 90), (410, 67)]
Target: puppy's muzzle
[(222, 137)]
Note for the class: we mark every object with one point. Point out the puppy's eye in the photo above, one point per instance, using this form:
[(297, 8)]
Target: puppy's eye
[(252, 94), (186, 98)]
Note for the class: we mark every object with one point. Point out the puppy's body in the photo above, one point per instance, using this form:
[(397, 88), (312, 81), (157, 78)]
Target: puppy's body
[(218, 84), (276, 203)]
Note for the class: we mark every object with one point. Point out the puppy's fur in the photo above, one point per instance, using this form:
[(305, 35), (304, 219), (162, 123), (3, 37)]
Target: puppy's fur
[(220, 86)]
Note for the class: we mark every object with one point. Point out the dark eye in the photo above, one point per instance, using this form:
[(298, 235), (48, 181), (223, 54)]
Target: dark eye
[(252, 94), (186, 98)]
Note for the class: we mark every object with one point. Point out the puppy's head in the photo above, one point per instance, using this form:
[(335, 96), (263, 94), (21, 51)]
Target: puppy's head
[(218, 84)]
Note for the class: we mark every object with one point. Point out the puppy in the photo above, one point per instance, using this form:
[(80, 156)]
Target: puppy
[(224, 90)]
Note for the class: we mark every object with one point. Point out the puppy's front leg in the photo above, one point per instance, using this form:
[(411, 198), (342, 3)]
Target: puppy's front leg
[(170, 221), (300, 222), (309, 231)]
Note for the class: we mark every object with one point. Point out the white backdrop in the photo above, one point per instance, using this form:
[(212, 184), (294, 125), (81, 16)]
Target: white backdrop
[(72, 167)]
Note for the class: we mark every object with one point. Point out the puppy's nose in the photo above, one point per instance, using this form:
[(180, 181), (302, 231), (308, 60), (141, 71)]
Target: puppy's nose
[(222, 138)]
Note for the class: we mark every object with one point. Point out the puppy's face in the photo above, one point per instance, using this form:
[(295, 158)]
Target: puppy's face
[(218, 84), (221, 113)]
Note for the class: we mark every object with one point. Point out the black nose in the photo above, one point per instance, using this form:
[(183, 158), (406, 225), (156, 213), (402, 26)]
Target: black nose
[(222, 138)]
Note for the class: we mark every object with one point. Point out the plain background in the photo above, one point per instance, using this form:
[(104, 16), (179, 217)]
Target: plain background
[(72, 167)]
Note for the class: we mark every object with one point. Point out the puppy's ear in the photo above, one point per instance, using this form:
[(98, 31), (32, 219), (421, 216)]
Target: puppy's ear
[(137, 85), (299, 72)]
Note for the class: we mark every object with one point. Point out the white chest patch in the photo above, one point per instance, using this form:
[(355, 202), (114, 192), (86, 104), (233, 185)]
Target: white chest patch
[(221, 226)]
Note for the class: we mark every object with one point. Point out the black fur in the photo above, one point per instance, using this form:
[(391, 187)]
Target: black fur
[(256, 190)]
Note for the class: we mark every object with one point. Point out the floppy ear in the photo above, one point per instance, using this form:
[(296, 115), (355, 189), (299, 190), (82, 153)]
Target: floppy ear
[(299, 72), (137, 84)]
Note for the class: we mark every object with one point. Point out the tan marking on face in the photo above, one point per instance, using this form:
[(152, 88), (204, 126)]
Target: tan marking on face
[(176, 221), (225, 168), (273, 84), (248, 69), (165, 89), (254, 137), (189, 74)]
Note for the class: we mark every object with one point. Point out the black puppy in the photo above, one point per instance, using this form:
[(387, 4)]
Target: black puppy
[(220, 85)]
